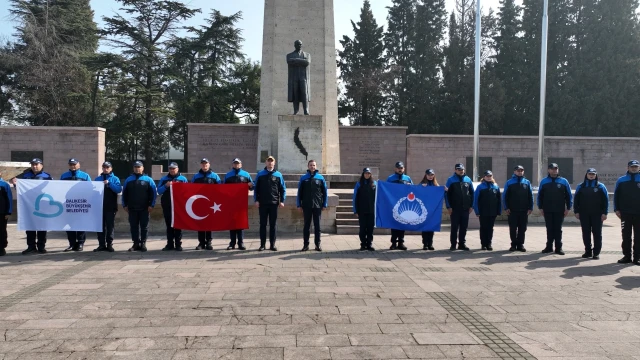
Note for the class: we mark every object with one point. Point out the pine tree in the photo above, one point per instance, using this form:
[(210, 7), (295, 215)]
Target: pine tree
[(361, 64)]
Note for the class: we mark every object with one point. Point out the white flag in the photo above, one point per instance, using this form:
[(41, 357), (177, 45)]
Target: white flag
[(56, 205)]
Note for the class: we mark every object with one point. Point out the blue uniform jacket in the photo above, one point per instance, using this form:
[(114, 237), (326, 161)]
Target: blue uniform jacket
[(29, 175), (114, 182), (484, 186), (207, 178), (355, 199), (461, 197), (237, 177), (136, 179), (510, 196), (6, 192), (313, 192), (553, 196), (583, 203), (165, 179), (399, 179), (78, 176), (269, 186), (626, 196)]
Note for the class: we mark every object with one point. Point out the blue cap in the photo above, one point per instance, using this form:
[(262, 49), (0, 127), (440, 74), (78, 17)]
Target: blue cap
[(488, 172), (459, 166), (73, 161), (399, 164), (366, 170), (173, 165), (591, 171), (236, 160), (106, 164), (137, 163), (204, 160), (430, 172), (634, 163), (36, 161)]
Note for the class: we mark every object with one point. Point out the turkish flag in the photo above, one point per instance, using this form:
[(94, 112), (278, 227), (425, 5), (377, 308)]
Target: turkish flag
[(207, 207)]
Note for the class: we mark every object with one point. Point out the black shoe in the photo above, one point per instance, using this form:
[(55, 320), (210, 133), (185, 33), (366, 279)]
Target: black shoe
[(42, 251), (587, 255), (547, 250), (425, 247), (559, 252), (522, 249), (318, 248), (100, 248), (178, 248), (402, 247), (261, 248), (143, 247), (489, 248), (363, 248), (624, 260), (636, 262), (596, 257), (167, 248), (70, 248), (371, 248), (200, 247), (394, 246), (305, 247), (79, 248), (241, 247), (430, 247), (230, 247), (513, 248), (135, 247), (484, 248), (110, 248), (452, 248), (463, 247), (208, 246), (273, 248), (3, 252), (29, 251)]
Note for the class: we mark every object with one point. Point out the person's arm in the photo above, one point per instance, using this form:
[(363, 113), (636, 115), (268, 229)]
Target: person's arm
[(354, 199), (114, 184), (605, 200), (283, 190), (256, 188), (616, 194), (568, 197), (540, 196), (251, 184), (299, 197), (475, 206), (162, 188), (505, 196), (325, 194), (448, 194), (531, 197), (576, 200), (125, 195), (152, 192), (472, 191), (9, 198), (499, 201)]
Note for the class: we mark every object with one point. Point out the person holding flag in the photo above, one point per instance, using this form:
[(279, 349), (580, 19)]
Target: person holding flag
[(364, 207), (399, 177), (35, 173), (237, 176), (459, 200), (429, 179), (138, 200), (591, 206), (312, 200), (174, 236), (487, 205), (76, 238), (269, 194), (112, 188), (6, 207), (518, 204), (205, 176)]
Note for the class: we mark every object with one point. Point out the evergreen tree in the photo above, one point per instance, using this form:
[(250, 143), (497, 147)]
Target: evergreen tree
[(361, 64)]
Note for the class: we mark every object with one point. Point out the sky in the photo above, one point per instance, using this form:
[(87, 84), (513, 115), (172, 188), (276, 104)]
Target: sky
[(252, 12)]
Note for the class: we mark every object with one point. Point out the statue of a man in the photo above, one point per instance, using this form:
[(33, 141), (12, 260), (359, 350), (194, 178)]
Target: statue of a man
[(299, 87)]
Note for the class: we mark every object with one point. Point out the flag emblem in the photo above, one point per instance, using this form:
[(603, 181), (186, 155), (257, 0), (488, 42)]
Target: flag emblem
[(410, 210)]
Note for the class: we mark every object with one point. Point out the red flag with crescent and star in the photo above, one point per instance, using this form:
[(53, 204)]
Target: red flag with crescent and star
[(207, 207)]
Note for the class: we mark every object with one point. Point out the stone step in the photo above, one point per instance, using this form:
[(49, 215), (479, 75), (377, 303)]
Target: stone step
[(344, 195), (345, 202), (344, 209), (345, 215), (347, 221)]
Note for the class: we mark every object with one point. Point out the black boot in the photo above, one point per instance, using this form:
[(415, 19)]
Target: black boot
[(401, 245), (587, 254), (305, 247), (625, 260), (169, 246), (318, 247), (208, 245), (262, 246), (143, 247), (394, 246)]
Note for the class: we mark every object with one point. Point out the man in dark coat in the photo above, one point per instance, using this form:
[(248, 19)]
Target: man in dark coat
[(299, 89)]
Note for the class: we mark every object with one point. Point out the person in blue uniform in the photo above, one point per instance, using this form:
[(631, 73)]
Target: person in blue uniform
[(626, 204), (487, 205), (554, 202), (591, 207), (269, 195), (312, 200), (6, 207), (138, 200), (364, 203), (237, 176), (429, 179), (174, 236), (459, 202), (518, 204), (76, 238), (398, 177), (35, 173), (112, 188), (205, 176)]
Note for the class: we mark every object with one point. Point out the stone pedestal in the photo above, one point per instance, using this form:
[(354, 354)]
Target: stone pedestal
[(299, 140)]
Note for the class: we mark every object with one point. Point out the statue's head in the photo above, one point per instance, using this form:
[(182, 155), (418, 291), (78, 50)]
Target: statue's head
[(298, 45)]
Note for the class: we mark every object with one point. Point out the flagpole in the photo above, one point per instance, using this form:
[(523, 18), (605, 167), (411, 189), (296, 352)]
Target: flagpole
[(543, 89), (476, 109)]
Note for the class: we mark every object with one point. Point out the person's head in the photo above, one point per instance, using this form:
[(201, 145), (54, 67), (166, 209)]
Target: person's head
[(106, 167), (36, 165), (311, 165), (270, 163), (430, 175), (298, 45), (459, 169), (173, 169), (74, 164), (592, 174), (488, 176), (138, 168), (553, 170), (205, 165), (237, 164), (633, 166), (399, 167), (366, 174), (518, 170)]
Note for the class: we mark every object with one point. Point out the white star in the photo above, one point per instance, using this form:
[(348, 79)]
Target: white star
[(216, 207)]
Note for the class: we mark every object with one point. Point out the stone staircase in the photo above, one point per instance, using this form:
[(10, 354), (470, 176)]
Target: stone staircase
[(346, 220)]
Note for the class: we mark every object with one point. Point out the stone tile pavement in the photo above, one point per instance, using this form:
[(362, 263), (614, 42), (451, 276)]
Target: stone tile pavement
[(339, 304)]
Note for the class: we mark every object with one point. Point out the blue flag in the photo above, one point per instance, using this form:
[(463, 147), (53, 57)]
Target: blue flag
[(409, 207)]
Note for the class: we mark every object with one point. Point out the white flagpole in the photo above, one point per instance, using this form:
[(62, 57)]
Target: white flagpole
[(543, 89), (476, 110)]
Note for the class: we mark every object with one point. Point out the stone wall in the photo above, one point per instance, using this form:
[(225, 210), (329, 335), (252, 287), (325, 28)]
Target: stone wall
[(56, 145), (221, 143), (372, 146), (501, 153)]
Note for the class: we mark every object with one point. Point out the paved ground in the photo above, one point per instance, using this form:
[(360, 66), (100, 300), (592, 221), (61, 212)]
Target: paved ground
[(340, 304)]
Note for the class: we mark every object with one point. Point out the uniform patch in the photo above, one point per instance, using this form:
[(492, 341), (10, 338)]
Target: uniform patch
[(467, 185), (317, 182), (524, 186), (142, 182), (595, 189), (638, 184), (494, 191), (274, 178), (559, 186)]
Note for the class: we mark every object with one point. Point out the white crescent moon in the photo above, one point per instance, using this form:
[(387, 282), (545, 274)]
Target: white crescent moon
[(189, 207)]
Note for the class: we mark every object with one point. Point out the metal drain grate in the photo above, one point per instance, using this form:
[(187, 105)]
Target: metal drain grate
[(383, 269), (477, 268), (432, 269)]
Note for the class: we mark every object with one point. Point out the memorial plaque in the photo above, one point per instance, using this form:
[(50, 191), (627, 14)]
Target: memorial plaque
[(484, 164), (526, 162), (565, 166), (26, 156)]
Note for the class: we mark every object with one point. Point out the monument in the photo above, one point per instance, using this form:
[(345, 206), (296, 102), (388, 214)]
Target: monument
[(288, 77)]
